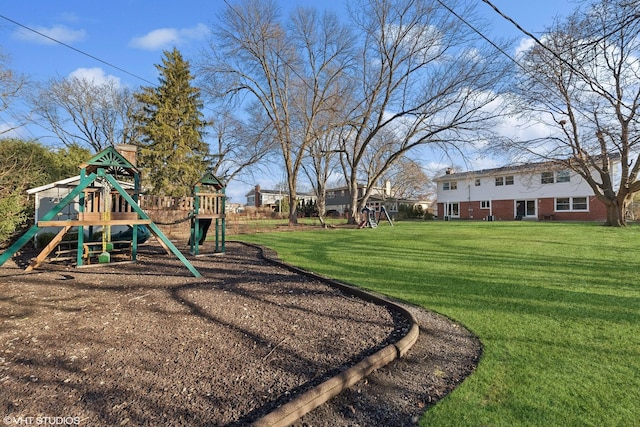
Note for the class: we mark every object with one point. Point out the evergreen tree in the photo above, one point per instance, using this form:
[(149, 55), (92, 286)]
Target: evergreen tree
[(172, 154)]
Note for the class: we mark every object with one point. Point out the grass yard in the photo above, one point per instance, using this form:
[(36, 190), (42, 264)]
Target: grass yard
[(556, 306), (242, 224)]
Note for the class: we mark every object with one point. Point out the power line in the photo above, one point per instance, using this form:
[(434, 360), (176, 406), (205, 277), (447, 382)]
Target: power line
[(535, 39), (498, 48), (77, 50), (519, 27)]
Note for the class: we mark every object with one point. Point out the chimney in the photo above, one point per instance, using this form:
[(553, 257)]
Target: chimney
[(258, 197), (127, 151), (449, 171)]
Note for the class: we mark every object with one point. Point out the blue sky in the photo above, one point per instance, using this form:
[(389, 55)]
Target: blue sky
[(131, 34)]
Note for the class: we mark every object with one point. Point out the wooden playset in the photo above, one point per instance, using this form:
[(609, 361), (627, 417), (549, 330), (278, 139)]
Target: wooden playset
[(102, 202)]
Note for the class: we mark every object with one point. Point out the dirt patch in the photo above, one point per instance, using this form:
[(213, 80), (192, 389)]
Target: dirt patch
[(147, 344)]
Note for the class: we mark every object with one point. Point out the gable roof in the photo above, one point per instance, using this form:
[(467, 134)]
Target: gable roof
[(548, 165), (211, 179), (112, 160), (526, 167)]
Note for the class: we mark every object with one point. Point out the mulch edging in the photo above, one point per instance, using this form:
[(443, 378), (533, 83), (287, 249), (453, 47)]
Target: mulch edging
[(292, 411)]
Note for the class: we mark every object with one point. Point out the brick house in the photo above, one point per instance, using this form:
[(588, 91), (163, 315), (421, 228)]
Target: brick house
[(537, 191)]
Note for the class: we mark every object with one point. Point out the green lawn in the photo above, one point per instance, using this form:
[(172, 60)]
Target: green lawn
[(556, 306), (242, 224)]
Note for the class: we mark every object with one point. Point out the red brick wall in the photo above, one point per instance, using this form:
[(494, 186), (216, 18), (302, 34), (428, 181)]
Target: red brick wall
[(597, 211), (504, 210), (546, 207)]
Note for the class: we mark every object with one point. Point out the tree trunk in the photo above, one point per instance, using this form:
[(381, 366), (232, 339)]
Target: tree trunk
[(293, 215), (615, 215), (321, 206), (355, 213)]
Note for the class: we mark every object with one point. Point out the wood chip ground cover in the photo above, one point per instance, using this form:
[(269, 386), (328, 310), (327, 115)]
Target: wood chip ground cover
[(148, 344)]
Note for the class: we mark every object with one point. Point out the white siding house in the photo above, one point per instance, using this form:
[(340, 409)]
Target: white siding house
[(531, 191)]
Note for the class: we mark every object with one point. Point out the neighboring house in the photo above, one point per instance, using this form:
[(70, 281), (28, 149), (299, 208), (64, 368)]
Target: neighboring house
[(261, 198), (338, 200), (541, 191), (233, 207)]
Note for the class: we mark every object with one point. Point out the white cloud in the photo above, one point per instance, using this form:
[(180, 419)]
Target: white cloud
[(163, 38), (59, 33), (523, 46), (95, 75)]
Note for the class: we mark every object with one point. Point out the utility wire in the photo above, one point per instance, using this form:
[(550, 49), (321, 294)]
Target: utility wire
[(77, 50), (536, 40), (527, 71), (501, 50), (518, 26)]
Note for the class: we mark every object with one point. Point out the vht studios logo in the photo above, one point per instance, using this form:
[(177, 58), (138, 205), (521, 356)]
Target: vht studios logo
[(40, 421)]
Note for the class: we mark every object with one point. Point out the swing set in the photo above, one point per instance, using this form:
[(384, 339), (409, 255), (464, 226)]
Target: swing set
[(370, 217), (104, 203)]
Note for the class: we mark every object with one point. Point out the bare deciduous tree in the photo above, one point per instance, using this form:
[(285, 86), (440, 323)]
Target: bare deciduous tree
[(11, 84), (584, 81), (323, 97), (286, 72), (88, 113), (320, 166), (237, 146), (408, 179), (424, 77)]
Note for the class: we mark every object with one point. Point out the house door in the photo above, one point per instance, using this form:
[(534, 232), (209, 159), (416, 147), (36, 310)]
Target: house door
[(525, 208)]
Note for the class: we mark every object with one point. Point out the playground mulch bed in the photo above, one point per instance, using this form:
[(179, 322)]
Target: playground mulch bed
[(148, 344)]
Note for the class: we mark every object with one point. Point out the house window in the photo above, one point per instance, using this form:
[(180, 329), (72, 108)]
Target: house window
[(508, 180), (546, 178), (563, 204), (572, 204), (331, 194), (579, 204), (485, 204), (453, 185), (477, 182), (499, 181), (563, 176)]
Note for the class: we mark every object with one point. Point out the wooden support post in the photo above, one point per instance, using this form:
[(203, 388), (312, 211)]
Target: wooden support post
[(47, 249), (153, 228), (81, 200), (84, 182)]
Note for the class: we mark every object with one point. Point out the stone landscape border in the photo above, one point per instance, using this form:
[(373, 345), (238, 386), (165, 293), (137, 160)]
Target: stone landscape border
[(291, 411)]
